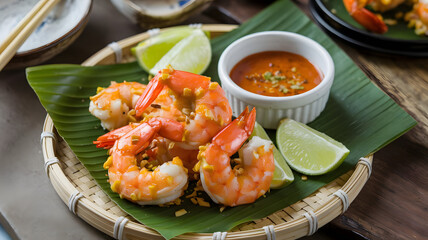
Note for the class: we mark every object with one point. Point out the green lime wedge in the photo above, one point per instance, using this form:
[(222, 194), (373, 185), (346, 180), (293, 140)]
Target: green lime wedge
[(282, 176), (150, 51), (308, 151), (192, 54)]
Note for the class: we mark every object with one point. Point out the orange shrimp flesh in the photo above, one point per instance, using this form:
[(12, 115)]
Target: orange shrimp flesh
[(203, 104), (136, 183), (247, 181)]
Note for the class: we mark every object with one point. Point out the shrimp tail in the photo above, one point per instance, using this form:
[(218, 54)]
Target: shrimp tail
[(364, 17), (107, 140), (177, 81), (166, 128), (231, 137), (149, 95)]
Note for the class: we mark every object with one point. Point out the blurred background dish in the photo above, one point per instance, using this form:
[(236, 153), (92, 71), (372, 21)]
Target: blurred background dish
[(56, 32), (159, 13), (332, 16)]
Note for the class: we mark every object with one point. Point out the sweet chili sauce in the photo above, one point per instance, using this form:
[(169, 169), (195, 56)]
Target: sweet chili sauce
[(276, 73)]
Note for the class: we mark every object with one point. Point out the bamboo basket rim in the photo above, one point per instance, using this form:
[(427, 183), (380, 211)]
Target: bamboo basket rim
[(105, 221)]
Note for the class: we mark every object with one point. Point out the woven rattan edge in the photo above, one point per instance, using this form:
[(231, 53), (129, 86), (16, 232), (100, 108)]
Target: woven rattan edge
[(104, 221)]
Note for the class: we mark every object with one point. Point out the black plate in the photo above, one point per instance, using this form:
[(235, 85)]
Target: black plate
[(364, 39)]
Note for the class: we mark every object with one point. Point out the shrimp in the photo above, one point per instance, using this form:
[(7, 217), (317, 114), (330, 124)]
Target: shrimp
[(366, 18), (131, 179), (188, 98), (202, 104), (418, 17), (161, 149), (252, 175), (113, 104)]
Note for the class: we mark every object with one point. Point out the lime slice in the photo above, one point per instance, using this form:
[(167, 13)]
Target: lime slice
[(282, 176), (308, 151), (192, 54), (150, 51)]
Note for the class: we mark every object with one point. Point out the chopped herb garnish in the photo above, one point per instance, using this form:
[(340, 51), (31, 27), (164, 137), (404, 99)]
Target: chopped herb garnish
[(297, 87), (283, 89), (273, 78), (277, 77), (267, 75)]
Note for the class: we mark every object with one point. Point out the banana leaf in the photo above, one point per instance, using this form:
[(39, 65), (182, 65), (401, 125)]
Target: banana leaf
[(358, 114)]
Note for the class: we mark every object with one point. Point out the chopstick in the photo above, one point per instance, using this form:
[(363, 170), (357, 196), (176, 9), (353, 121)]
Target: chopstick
[(24, 29)]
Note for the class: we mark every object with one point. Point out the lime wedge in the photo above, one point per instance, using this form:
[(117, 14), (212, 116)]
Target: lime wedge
[(150, 51), (308, 151), (282, 176), (192, 54)]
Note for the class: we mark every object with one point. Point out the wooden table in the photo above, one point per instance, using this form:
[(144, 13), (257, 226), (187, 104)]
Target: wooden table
[(392, 205)]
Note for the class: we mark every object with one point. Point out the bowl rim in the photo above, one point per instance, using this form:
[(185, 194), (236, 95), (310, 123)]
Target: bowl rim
[(325, 82), (188, 5), (61, 38)]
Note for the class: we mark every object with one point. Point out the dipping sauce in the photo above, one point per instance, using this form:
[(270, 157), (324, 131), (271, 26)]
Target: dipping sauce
[(276, 73)]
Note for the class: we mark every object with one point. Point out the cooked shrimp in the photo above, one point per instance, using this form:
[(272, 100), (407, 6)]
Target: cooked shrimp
[(161, 149), (418, 17), (189, 98), (252, 175), (131, 179), (112, 105), (365, 17), (203, 105)]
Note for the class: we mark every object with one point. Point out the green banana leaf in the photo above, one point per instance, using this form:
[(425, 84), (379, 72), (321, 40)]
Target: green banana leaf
[(397, 31), (358, 114)]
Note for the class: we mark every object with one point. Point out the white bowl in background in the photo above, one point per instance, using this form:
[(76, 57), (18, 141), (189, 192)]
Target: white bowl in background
[(159, 13), (303, 107), (64, 23)]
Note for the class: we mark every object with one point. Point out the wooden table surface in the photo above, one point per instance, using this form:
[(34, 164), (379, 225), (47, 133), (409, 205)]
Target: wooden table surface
[(392, 205)]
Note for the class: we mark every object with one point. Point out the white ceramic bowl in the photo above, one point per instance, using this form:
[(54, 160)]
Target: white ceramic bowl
[(304, 107), (159, 13), (58, 30)]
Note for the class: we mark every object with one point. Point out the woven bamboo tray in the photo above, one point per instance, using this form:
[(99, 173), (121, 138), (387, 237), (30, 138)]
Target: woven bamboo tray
[(69, 177)]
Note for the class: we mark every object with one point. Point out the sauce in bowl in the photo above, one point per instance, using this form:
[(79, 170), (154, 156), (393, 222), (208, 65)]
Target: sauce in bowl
[(276, 74)]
